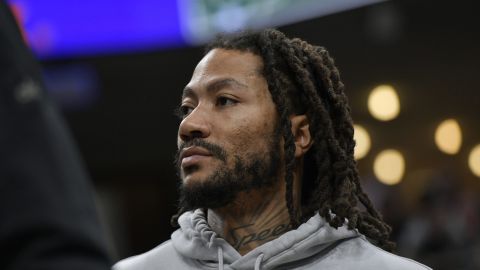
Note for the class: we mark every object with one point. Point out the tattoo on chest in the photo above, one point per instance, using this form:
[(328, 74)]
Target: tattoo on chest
[(240, 241)]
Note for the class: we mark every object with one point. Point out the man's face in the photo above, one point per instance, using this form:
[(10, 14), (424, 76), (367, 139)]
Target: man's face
[(228, 139)]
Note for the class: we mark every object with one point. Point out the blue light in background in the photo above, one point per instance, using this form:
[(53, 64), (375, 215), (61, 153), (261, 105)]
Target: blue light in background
[(59, 28), (73, 28)]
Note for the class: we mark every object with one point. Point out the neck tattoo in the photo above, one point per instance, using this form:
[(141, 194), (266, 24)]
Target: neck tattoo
[(240, 240)]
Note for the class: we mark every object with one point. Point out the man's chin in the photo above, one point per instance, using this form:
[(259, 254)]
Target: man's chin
[(194, 178), (204, 191)]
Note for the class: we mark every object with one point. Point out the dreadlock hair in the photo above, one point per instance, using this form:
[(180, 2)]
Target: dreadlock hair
[(303, 79)]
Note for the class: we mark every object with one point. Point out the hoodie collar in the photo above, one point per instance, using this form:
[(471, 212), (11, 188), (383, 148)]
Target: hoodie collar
[(196, 240)]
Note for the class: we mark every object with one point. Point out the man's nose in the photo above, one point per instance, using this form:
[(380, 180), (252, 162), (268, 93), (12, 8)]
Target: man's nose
[(195, 125)]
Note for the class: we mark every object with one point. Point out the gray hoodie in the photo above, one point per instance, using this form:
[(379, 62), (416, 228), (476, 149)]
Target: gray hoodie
[(313, 245)]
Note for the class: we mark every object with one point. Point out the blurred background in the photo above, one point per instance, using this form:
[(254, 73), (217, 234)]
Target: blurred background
[(117, 69)]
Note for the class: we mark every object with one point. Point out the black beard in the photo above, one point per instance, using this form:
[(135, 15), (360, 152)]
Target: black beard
[(221, 188)]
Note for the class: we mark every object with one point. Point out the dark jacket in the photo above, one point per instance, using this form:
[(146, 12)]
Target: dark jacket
[(47, 216)]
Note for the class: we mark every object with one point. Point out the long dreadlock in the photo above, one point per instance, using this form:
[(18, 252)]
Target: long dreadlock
[(303, 79)]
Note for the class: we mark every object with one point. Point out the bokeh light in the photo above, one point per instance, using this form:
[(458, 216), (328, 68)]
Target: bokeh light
[(389, 167), (474, 160), (362, 142), (448, 136), (383, 103)]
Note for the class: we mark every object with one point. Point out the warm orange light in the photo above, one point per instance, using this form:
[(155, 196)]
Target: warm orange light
[(362, 142), (448, 136), (389, 167), (383, 103), (474, 160)]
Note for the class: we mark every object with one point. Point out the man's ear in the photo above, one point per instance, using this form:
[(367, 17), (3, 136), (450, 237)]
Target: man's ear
[(301, 134)]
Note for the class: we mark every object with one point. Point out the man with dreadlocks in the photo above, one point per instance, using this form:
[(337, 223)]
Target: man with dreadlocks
[(266, 162)]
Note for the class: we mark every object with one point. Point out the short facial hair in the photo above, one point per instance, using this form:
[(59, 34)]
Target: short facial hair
[(253, 171)]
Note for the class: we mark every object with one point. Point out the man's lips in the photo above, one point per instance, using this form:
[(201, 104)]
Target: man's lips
[(193, 154)]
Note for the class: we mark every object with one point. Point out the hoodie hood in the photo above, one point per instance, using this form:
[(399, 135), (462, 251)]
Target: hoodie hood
[(196, 240)]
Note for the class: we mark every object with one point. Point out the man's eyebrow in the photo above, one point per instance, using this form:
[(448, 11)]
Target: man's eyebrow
[(187, 92), (215, 86), (218, 84)]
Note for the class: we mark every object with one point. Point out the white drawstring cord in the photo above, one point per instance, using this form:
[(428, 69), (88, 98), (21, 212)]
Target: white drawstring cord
[(258, 261), (220, 258)]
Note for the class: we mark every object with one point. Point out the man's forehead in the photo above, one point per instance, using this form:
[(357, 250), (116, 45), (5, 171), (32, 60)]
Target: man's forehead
[(221, 67), (222, 62)]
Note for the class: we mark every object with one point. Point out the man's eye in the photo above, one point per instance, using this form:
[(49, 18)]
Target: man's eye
[(225, 101), (183, 111)]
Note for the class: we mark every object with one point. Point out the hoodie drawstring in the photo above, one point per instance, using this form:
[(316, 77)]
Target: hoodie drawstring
[(258, 261), (220, 258)]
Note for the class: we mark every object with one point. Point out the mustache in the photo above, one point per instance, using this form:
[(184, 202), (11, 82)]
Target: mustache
[(215, 150)]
